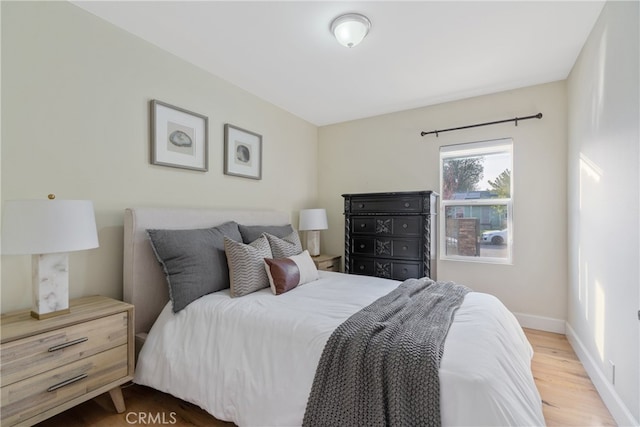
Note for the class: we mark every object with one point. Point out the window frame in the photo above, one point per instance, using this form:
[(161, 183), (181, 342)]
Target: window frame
[(470, 149)]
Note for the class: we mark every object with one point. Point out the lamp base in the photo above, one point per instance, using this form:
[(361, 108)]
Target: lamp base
[(313, 242), (50, 278), (49, 315)]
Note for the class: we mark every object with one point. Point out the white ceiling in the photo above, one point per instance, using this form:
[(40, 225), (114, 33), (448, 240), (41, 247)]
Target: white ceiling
[(417, 53)]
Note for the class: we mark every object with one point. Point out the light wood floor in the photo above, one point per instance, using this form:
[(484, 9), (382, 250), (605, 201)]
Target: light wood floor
[(568, 396)]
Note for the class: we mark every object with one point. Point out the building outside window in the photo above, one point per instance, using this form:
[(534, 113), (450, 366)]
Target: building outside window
[(476, 201)]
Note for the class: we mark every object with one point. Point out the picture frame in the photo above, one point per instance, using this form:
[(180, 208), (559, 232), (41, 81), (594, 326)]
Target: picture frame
[(242, 152), (179, 137)]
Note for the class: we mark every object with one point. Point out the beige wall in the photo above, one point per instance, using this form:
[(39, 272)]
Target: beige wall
[(604, 207), (75, 94), (387, 153)]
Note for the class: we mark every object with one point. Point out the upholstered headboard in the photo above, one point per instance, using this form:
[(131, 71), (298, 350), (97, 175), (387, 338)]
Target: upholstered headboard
[(145, 285)]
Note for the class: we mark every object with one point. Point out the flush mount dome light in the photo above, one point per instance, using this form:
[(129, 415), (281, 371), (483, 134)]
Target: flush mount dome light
[(350, 29)]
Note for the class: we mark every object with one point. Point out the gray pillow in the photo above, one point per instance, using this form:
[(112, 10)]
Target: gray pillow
[(252, 232), (194, 261)]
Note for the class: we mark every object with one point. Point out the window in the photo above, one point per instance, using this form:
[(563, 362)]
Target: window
[(476, 205)]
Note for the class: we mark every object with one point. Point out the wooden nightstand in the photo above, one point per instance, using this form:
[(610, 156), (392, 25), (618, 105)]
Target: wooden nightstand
[(327, 262), (51, 365)]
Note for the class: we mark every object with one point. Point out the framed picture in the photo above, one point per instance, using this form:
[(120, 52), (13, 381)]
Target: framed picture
[(242, 152), (179, 138)]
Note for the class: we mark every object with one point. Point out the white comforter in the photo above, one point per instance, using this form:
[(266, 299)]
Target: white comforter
[(251, 360)]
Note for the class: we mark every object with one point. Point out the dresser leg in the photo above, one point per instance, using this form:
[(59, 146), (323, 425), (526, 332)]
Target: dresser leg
[(118, 400)]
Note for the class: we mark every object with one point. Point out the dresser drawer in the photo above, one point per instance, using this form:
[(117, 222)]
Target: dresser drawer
[(399, 204), (394, 248), (363, 225), (406, 226), (362, 266), (25, 399), (31, 356), (410, 225), (387, 268), (406, 270)]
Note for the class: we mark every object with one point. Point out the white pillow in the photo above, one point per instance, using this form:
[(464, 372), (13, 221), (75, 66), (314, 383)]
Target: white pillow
[(286, 273)]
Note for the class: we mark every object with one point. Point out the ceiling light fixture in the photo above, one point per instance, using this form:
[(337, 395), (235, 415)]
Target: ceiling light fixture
[(350, 29)]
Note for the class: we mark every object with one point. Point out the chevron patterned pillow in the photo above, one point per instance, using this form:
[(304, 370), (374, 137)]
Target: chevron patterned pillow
[(286, 246), (246, 265)]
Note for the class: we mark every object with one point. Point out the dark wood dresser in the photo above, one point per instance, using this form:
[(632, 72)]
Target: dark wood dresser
[(391, 235)]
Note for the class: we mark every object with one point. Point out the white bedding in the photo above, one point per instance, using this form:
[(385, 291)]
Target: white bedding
[(251, 360)]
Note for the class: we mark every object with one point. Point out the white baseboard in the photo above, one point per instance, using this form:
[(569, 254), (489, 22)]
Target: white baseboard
[(607, 392), (541, 323)]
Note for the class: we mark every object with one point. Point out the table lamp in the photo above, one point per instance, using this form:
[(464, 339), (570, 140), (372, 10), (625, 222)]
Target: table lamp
[(48, 230), (312, 221)]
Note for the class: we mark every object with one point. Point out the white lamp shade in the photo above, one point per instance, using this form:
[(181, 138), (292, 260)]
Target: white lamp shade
[(350, 29), (313, 219), (48, 226)]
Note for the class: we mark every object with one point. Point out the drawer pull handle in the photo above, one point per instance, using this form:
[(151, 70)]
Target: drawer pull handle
[(363, 225), (407, 204), (404, 248), (404, 270), (404, 225), (67, 344), (361, 205), (361, 267), (67, 382), (362, 246)]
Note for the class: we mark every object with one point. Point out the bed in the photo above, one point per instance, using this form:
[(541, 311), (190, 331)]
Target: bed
[(251, 360)]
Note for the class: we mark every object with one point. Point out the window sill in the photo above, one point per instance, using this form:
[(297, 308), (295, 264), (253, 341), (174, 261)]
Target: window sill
[(477, 260)]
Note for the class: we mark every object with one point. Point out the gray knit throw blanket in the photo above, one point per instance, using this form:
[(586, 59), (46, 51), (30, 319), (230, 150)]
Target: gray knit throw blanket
[(380, 367)]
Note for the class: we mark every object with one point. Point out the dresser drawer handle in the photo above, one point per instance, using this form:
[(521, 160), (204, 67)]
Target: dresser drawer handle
[(404, 248), (361, 267), (404, 225), (67, 382), (363, 225), (362, 246), (407, 204), (67, 344), (361, 205)]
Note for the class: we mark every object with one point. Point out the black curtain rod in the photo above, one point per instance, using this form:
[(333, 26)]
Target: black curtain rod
[(515, 119)]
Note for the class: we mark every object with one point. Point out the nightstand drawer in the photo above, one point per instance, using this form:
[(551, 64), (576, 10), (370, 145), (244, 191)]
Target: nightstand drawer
[(25, 399), (330, 264), (30, 356), (327, 262)]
